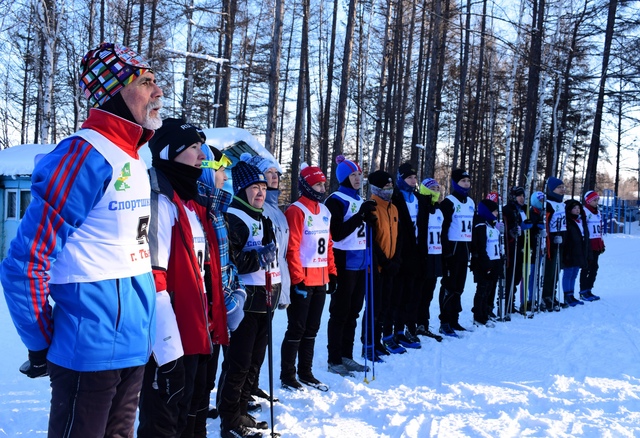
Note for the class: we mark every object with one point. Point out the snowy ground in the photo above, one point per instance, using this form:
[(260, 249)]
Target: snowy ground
[(572, 373)]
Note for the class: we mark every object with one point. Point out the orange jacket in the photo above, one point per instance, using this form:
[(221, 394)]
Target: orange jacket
[(310, 276), (386, 227)]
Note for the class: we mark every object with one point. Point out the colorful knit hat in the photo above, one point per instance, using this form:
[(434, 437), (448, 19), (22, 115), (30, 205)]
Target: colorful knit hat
[(345, 168), (108, 69)]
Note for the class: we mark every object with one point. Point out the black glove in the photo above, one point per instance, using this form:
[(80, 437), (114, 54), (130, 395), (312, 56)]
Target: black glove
[(367, 210), (36, 366), (333, 284), (266, 254), (170, 380)]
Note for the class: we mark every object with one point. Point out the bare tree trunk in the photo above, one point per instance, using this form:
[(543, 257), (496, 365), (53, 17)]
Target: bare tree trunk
[(49, 27), (141, 24), (509, 116), (430, 101), (229, 21), (341, 123), (473, 140), (535, 58), (464, 65), (324, 131), (376, 151), (404, 95), (274, 77), (187, 91), (300, 104), (594, 146), (152, 29)]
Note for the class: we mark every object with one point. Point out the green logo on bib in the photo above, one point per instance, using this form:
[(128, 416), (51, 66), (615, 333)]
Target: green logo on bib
[(121, 183)]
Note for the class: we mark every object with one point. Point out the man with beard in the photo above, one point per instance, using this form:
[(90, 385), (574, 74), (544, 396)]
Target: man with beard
[(83, 243)]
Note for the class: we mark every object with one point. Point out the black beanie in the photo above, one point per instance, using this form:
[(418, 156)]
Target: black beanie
[(173, 137), (406, 170), (458, 174), (379, 178), (244, 174)]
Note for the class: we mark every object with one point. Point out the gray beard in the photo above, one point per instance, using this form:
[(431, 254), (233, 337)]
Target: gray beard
[(152, 123)]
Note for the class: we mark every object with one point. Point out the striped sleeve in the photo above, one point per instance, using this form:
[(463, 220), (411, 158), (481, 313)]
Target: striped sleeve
[(66, 185)]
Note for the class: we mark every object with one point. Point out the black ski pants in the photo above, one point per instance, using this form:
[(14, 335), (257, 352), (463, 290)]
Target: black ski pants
[(303, 322), (588, 274), (428, 288), (93, 404), (552, 272), (159, 419), (247, 346), (384, 305), (452, 284), (344, 308), (200, 428), (486, 286), (514, 274)]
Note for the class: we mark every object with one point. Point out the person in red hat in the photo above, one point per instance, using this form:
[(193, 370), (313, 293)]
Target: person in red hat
[(83, 243), (596, 246), (311, 268)]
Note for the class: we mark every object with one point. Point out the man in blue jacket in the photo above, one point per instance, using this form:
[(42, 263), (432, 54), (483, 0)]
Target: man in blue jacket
[(83, 246)]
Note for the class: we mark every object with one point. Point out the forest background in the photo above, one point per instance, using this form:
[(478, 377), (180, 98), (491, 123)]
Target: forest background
[(511, 91)]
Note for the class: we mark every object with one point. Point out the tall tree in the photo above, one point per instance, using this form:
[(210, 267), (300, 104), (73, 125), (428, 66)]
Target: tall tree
[(594, 146)]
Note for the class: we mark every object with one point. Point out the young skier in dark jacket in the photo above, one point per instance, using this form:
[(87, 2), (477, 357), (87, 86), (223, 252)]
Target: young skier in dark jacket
[(486, 262), (430, 243), (575, 249), (253, 244), (458, 210), (407, 284)]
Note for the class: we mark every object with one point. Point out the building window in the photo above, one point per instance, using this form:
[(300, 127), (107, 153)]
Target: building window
[(25, 200), (11, 204)]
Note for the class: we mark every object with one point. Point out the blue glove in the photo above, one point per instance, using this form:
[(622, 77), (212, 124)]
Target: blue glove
[(266, 254), (301, 289), (234, 302), (541, 225), (36, 366), (527, 224)]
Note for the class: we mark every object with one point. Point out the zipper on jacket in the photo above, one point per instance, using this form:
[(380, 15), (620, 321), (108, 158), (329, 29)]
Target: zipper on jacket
[(119, 304)]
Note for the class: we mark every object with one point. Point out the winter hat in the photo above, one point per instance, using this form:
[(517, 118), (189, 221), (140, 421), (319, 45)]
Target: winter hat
[(256, 160), (107, 69), (406, 170), (379, 178), (173, 137), (244, 174), (311, 175), (430, 183), (553, 183), (486, 207), (569, 204), (458, 174), (590, 196), (517, 191), (345, 168), (536, 200), (493, 196)]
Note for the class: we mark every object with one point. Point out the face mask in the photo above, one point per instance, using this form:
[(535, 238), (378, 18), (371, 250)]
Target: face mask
[(382, 193)]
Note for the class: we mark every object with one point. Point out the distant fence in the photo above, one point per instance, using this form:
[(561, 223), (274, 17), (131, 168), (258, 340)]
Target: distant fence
[(618, 215)]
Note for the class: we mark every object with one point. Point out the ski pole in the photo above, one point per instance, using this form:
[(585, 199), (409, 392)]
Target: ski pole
[(268, 287)]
